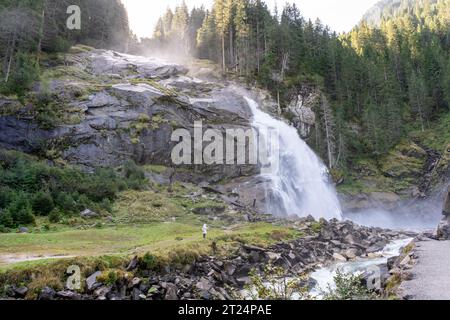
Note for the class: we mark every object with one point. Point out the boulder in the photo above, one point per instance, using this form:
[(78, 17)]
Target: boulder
[(351, 253), (88, 214), (229, 268), (133, 264), (339, 257), (446, 209), (136, 294), (171, 292), (21, 292), (68, 295), (91, 281), (204, 285), (443, 230), (23, 230), (103, 291), (47, 294)]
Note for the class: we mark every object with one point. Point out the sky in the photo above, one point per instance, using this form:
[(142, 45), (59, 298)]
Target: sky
[(340, 15)]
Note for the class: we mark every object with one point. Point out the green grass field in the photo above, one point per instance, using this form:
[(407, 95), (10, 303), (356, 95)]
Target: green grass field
[(159, 238)]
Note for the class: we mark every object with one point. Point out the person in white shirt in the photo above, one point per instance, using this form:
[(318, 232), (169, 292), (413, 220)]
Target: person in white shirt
[(205, 230)]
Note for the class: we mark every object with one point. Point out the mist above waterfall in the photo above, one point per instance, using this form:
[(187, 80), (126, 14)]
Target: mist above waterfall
[(298, 181), (417, 215)]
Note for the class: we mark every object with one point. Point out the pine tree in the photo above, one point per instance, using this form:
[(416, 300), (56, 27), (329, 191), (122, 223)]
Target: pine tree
[(222, 11)]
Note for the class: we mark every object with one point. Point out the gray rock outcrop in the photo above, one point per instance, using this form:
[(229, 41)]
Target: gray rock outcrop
[(114, 107), (302, 114), (443, 231)]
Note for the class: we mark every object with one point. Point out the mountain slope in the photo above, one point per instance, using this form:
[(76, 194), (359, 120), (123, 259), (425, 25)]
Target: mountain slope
[(388, 9)]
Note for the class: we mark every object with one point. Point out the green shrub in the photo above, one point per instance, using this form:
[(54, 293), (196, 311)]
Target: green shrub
[(3, 229), (274, 284), (149, 261), (348, 287), (6, 196), (21, 211), (23, 177), (55, 216), (47, 109), (135, 175), (42, 204), (6, 219), (65, 202), (23, 75)]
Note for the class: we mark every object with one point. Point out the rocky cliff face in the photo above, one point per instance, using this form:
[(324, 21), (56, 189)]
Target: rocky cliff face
[(443, 231), (301, 112), (111, 107), (100, 108)]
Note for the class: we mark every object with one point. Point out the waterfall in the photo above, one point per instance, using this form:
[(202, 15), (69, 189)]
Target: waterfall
[(297, 180)]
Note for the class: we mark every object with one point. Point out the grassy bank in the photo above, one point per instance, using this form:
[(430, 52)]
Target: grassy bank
[(158, 238)]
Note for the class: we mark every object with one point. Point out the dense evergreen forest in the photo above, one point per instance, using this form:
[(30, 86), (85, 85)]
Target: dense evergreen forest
[(31, 27), (388, 76), (381, 79)]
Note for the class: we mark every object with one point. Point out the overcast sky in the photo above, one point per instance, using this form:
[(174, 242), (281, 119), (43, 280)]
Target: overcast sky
[(340, 15)]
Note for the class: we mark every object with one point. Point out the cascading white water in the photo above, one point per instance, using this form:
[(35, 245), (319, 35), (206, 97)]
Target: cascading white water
[(297, 179)]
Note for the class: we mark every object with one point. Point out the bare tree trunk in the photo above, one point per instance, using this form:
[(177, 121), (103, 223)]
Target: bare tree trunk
[(328, 134), (41, 34), (223, 53), (419, 105), (232, 62), (11, 56), (258, 49)]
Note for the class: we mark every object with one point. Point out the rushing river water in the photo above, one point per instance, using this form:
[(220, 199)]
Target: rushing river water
[(324, 277), (298, 185)]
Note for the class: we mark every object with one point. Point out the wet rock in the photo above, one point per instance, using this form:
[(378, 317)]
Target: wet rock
[(391, 263), (376, 247), (351, 253), (339, 257), (375, 277)]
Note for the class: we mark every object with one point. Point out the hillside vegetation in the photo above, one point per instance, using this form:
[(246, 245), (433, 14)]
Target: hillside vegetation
[(383, 80)]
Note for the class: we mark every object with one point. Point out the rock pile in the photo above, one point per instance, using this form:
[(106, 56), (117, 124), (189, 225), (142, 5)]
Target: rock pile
[(214, 278)]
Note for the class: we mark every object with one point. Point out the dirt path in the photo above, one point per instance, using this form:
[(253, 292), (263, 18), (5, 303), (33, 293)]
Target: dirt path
[(12, 259), (431, 276)]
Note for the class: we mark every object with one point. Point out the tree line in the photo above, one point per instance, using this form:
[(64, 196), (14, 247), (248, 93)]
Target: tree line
[(30, 27), (378, 81)]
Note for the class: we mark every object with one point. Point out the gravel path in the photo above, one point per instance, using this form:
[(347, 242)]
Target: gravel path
[(431, 273)]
